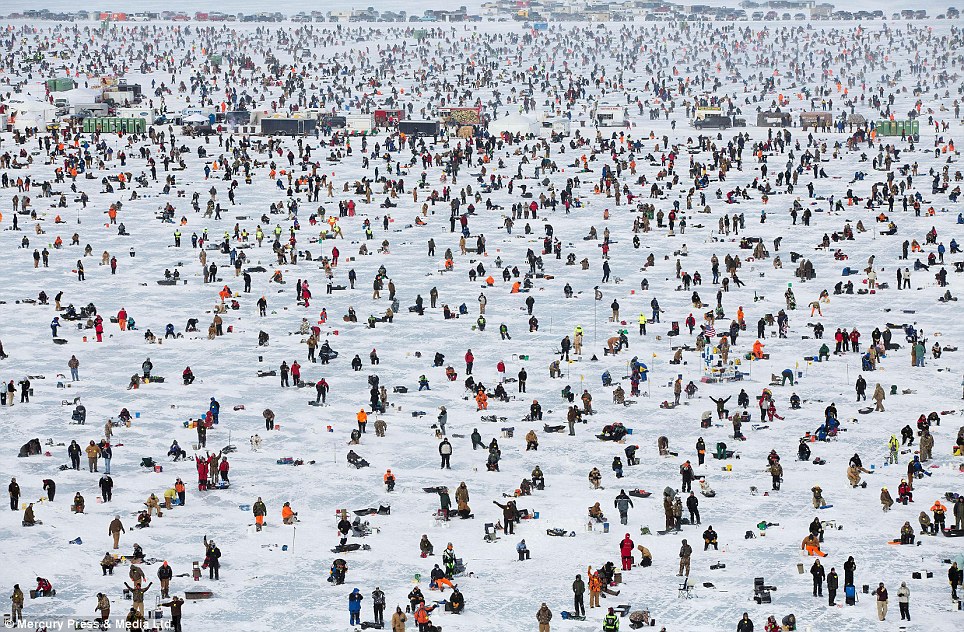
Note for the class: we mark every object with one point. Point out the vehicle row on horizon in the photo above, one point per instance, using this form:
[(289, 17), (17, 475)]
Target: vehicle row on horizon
[(462, 15)]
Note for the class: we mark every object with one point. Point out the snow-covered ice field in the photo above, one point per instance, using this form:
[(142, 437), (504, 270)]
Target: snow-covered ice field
[(263, 585)]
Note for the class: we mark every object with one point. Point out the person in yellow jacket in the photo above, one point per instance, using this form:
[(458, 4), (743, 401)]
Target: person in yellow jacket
[(642, 324), (93, 453)]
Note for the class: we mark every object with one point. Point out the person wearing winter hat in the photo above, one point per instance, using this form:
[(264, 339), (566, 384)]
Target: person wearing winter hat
[(354, 607), (903, 601)]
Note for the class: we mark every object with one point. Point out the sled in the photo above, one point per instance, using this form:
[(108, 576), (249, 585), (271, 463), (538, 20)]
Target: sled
[(664, 532), (953, 533), (35, 594), (569, 616), (640, 493), (194, 595), (864, 411), (432, 490), (824, 506)]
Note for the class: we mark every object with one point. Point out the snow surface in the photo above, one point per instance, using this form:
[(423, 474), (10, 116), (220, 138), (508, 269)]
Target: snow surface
[(262, 585)]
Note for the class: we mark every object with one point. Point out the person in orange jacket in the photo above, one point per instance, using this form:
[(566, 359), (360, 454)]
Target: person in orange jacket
[(482, 400), (940, 511), (122, 319), (362, 418), (595, 587), (421, 617), (389, 479), (288, 515), (758, 350)]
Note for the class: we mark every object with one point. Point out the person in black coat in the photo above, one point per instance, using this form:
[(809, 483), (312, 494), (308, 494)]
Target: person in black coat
[(849, 567), (818, 573), (212, 558), (833, 581)]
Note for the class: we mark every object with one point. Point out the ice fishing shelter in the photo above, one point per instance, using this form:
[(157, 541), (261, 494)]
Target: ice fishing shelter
[(816, 119), (556, 127), (610, 116), (60, 84)]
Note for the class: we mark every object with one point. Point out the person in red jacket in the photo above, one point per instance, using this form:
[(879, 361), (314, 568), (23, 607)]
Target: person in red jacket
[(626, 550), (469, 359), (223, 469), (295, 372), (122, 319), (202, 473)]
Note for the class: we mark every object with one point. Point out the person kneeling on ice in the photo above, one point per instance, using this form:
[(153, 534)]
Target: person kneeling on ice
[(811, 544), (28, 518), (188, 376), (522, 550), (288, 515), (43, 587), (336, 575)]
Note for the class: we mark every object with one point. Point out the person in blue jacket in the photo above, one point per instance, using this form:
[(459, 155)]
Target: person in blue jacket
[(354, 607)]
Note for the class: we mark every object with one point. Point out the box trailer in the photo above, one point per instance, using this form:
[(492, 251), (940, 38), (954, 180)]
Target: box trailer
[(148, 114), (287, 126), (419, 128), (773, 119), (360, 122)]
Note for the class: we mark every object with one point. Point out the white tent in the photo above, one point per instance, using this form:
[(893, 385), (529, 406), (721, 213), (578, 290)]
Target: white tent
[(31, 113), (514, 124)]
